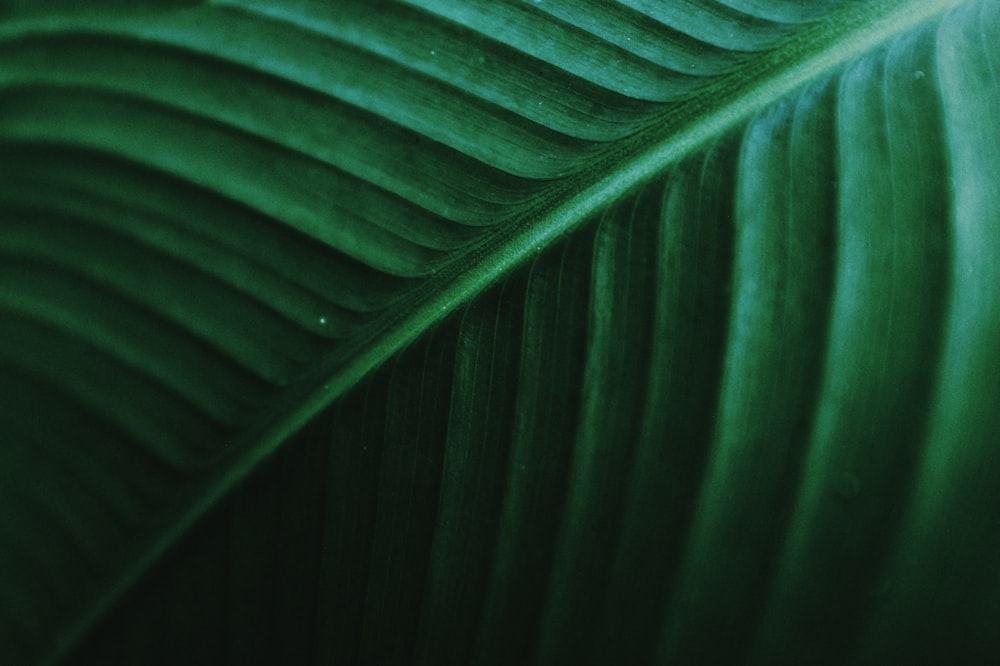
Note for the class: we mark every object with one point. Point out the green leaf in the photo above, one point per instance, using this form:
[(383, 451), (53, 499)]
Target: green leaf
[(499, 332)]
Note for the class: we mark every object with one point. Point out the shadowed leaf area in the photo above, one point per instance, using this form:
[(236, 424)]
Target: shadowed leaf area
[(500, 332)]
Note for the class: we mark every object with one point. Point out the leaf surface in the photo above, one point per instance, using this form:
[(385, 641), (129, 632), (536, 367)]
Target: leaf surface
[(671, 320)]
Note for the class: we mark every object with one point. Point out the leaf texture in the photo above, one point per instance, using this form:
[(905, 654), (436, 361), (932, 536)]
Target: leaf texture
[(754, 398)]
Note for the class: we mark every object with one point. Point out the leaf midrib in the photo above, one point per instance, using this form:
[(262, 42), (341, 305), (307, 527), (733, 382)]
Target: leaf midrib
[(664, 141)]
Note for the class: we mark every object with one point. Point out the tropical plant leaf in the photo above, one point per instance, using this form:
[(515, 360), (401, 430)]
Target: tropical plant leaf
[(580, 332)]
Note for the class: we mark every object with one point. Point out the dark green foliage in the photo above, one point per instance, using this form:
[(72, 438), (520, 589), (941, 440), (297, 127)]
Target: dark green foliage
[(499, 332)]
